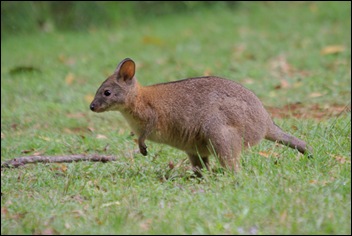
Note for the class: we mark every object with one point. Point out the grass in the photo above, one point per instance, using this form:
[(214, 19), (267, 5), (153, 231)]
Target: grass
[(49, 79)]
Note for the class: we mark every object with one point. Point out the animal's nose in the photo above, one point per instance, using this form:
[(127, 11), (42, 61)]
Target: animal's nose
[(92, 107)]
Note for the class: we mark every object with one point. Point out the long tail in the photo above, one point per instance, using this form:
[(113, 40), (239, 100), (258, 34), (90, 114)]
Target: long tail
[(276, 134)]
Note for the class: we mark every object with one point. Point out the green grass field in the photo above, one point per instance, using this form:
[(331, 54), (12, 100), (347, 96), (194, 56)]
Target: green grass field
[(287, 53)]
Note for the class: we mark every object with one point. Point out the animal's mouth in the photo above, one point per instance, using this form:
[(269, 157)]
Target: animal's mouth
[(104, 107), (96, 108), (100, 108)]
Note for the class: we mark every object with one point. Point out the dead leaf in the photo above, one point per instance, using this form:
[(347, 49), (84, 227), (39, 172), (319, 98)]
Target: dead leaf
[(98, 221), (283, 217), (66, 60), (197, 190), (117, 203), (171, 165), (59, 168), (67, 130), (264, 154), (280, 66), (229, 215), (69, 78), (78, 198), (4, 211), (45, 138), (153, 40), (145, 225), (323, 183), (27, 151), (283, 84), (268, 154), (14, 126), (239, 48), (78, 213), (38, 153), (315, 95), (76, 130), (297, 84), (248, 81), (101, 136), (62, 167), (340, 159), (272, 93), (159, 61), (76, 115), (47, 231), (18, 216), (293, 127), (207, 72), (332, 49), (89, 98), (313, 8), (312, 111), (62, 58)]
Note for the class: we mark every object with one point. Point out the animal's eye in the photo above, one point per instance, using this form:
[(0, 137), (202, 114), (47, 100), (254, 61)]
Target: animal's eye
[(107, 93)]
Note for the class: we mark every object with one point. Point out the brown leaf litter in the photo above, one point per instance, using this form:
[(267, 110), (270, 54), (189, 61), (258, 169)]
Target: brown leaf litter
[(311, 111)]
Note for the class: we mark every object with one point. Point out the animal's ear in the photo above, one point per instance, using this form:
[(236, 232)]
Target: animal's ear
[(126, 69)]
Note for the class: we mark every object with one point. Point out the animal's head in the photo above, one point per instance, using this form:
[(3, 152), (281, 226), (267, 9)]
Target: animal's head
[(116, 89)]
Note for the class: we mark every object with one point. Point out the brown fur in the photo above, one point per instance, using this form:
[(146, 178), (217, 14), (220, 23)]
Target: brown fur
[(201, 116)]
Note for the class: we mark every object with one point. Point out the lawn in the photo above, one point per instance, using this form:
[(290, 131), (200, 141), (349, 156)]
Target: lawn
[(295, 56)]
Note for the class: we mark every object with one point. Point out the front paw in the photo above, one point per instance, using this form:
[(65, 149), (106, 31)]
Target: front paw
[(143, 149)]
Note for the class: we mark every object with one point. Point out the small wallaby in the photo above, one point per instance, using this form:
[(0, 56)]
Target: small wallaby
[(201, 116)]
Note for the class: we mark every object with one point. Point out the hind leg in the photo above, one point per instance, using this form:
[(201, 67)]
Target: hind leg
[(226, 144), (198, 163)]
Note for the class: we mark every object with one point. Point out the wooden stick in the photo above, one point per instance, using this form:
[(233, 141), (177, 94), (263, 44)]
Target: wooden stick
[(20, 161)]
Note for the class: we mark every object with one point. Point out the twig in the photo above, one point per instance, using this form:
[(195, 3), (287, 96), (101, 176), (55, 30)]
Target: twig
[(20, 161)]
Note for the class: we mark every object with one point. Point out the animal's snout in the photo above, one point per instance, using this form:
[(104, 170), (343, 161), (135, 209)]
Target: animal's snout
[(92, 106)]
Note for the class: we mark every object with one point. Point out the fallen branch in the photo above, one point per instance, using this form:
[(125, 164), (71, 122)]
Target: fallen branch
[(20, 161)]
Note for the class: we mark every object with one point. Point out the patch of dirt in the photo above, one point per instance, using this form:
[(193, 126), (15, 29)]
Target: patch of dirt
[(312, 111)]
